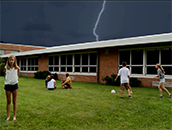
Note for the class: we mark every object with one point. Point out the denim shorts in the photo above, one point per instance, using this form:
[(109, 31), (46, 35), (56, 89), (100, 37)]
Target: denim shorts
[(11, 88), (162, 80)]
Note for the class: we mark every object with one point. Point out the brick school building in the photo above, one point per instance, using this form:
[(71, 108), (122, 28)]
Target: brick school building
[(90, 62)]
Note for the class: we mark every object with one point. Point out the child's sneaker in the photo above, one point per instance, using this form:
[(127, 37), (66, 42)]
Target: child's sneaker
[(170, 96), (160, 96), (129, 97), (121, 97)]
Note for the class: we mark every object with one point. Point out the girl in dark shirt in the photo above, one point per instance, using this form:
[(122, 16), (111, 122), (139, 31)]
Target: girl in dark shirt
[(161, 75)]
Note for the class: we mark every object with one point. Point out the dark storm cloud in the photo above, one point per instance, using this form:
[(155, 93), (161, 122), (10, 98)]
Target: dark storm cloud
[(53, 23), (37, 27)]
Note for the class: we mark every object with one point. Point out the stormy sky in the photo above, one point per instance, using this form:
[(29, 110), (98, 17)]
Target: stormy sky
[(53, 23)]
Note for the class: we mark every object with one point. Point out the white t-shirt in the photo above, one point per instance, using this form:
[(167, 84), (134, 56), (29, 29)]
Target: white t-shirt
[(51, 83), (11, 76), (124, 73)]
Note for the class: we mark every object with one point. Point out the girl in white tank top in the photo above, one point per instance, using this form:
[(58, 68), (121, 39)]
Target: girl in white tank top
[(11, 72)]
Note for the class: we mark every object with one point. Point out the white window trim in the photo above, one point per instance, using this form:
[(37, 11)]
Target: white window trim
[(73, 64), (27, 64), (144, 73)]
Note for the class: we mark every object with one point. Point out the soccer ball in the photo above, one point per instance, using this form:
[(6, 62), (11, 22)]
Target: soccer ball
[(113, 91)]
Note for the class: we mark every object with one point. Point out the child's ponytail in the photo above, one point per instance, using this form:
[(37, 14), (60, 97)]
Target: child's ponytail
[(161, 68)]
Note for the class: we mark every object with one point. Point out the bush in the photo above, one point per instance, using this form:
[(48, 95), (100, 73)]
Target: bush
[(134, 82), (44, 74), (111, 80), (2, 65), (55, 76), (41, 74)]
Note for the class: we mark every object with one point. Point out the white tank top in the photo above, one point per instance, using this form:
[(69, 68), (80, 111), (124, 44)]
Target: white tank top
[(51, 83), (11, 76)]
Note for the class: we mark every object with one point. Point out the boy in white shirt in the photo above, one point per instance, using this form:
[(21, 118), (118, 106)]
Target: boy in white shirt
[(124, 74)]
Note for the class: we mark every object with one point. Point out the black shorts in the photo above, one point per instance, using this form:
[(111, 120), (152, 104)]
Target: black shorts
[(11, 88), (67, 85)]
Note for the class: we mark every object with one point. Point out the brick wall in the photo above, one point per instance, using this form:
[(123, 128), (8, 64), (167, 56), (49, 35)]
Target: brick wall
[(147, 82), (108, 62), (43, 62), (80, 78), (21, 48)]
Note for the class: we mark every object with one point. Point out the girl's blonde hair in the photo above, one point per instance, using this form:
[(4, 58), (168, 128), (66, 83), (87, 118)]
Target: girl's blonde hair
[(15, 62), (159, 66)]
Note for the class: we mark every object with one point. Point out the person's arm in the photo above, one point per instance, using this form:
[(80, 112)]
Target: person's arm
[(116, 78), (156, 75), (4, 72), (129, 79), (54, 83), (67, 81), (117, 75), (18, 72)]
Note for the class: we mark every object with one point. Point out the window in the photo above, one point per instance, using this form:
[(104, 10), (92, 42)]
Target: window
[(124, 56), (143, 61), (28, 64), (32, 64), (23, 64), (166, 60), (166, 56), (76, 63), (152, 56), (53, 63), (14, 51), (137, 57), (2, 52)]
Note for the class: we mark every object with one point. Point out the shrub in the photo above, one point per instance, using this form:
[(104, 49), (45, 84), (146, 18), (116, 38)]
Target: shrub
[(44, 74), (2, 65), (111, 80), (134, 82), (55, 76), (41, 74)]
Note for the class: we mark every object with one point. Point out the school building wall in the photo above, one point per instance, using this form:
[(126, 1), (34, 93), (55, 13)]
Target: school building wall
[(107, 65), (8, 48)]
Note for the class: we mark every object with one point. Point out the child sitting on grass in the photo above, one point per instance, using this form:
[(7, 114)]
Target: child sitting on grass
[(46, 80), (67, 83), (51, 85)]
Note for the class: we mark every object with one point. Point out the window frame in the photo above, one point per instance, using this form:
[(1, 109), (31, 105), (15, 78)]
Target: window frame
[(27, 65), (144, 66), (73, 64)]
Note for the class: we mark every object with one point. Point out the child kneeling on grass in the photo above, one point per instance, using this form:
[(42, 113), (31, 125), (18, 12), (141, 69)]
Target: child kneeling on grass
[(51, 85), (124, 74), (67, 83)]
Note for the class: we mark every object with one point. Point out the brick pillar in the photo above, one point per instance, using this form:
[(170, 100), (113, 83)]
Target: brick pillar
[(43, 62), (108, 62), (7, 51)]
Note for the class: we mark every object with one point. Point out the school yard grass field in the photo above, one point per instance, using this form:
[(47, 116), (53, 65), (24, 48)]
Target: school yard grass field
[(87, 106)]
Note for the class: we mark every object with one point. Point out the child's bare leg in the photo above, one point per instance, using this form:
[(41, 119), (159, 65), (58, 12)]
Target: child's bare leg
[(163, 87), (128, 92), (8, 96), (14, 103), (130, 89), (122, 90), (160, 90)]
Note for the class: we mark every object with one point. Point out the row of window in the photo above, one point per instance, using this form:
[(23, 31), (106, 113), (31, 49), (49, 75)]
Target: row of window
[(138, 61), (85, 63), (143, 61), (28, 64)]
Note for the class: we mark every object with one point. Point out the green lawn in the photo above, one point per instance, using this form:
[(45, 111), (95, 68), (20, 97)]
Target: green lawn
[(87, 106)]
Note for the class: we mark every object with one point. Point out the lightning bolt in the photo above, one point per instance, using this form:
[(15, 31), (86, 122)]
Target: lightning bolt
[(95, 27)]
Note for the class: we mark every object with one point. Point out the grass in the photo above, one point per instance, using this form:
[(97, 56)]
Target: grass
[(87, 106)]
